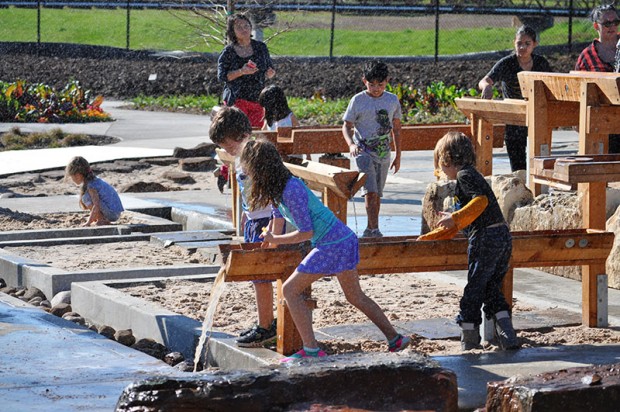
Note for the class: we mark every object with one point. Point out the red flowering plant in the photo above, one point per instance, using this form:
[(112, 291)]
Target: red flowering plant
[(23, 102)]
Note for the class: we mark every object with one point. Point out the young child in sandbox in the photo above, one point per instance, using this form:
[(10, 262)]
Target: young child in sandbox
[(490, 242), (96, 195), (335, 246)]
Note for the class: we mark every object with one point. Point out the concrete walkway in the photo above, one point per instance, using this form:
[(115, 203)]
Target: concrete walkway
[(53, 365)]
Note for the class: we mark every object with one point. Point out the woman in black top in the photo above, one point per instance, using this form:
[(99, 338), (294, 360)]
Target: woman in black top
[(243, 65), (505, 73)]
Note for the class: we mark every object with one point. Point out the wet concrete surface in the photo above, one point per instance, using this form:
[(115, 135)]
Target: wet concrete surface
[(50, 364)]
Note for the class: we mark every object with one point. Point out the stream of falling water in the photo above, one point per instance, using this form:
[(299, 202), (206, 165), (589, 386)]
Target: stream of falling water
[(354, 215), (207, 325)]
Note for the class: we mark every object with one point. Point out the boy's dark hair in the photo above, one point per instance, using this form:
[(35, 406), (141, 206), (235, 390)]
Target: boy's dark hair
[(528, 31), (229, 123), (274, 102), (230, 27), (597, 13), (376, 70)]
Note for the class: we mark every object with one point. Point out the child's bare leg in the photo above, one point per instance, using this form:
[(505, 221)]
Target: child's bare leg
[(302, 316), (350, 284), (264, 303), (372, 203)]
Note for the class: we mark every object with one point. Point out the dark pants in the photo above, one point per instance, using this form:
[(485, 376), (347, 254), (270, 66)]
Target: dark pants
[(515, 138), (488, 256)]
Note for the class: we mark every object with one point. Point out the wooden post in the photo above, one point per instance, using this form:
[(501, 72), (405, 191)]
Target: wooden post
[(335, 203), (289, 340), (482, 133), (594, 217), (590, 142), (539, 132)]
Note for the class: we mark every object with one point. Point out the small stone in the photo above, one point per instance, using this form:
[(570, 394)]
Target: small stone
[(33, 292), (106, 331), (201, 150), (593, 379), (36, 301), (143, 187), (174, 358), (178, 177), (198, 164), (75, 318), (60, 309), (125, 337), (150, 347), (61, 297)]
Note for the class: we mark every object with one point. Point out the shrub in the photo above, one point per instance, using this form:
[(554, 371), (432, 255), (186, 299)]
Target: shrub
[(23, 102)]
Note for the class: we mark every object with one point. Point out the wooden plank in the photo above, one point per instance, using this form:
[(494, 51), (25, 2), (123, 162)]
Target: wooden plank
[(559, 86), (483, 132), (507, 111), (589, 293), (603, 120), (539, 131), (593, 200), (319, 176), (589, 142), (540, 248)]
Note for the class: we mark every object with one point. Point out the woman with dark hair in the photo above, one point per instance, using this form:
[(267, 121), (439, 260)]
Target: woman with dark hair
[(243, 65), (600, 55), (504, 73)]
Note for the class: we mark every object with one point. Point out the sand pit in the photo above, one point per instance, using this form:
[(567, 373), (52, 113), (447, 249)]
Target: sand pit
[(403, 297), (109, 255), (11, 220)]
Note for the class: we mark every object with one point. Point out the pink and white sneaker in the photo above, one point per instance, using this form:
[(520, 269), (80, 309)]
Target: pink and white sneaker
[(301, 355)]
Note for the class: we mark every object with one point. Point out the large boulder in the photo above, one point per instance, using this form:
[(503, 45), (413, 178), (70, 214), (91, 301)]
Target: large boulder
[(510, 191), (562, 210)]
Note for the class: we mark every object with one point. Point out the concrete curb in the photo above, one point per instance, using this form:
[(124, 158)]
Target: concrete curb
[(103, 303)]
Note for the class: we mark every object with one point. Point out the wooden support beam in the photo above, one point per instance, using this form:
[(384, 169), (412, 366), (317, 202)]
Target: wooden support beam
[(589, 142), (318, 176), (593, 199), (589, 294), (539, 132), (288, 338), (482, 130), (507, 111)]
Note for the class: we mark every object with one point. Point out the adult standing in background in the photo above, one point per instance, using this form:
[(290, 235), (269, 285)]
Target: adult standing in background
[(504, 72), (600, 56), (243, 65)]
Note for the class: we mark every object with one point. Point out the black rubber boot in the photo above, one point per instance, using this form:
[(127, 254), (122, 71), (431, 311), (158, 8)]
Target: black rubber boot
[(470, 336), (504, 331)]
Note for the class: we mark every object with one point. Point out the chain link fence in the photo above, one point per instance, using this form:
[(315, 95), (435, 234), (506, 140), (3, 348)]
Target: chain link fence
[(311, 27)]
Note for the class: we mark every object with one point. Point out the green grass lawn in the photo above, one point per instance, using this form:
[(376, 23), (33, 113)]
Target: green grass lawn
[(163, 30)]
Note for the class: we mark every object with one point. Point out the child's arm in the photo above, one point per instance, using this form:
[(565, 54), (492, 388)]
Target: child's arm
[(288, 238), (276, 225), (95, 209), (470, 212), (449, 225), (396, 125), (347, 132), (440, 233)]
